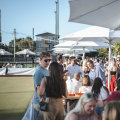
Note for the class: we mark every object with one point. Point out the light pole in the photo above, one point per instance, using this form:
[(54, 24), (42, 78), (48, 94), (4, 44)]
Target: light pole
[(14, 43), (33, 39), (57, 20)]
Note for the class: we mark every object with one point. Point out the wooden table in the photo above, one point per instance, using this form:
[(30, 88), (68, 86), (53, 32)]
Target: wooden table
[(68, 99)]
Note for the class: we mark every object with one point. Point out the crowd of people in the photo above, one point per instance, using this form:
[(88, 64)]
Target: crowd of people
[(55, 80)]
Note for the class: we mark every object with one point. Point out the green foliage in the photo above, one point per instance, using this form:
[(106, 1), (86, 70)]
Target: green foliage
[(103, 52), (116, 49), (22, 43), (2, 46)]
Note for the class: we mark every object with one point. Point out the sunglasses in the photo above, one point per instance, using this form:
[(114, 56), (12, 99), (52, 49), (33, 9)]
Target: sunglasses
[(47, 60)]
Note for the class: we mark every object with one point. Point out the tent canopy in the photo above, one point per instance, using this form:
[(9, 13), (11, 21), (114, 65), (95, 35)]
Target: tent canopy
[(4, 52), (25, 52)]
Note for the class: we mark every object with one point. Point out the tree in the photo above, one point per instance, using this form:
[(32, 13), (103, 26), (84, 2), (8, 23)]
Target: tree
[(3, 46), (22, 43), (116, 48), (103, 52)]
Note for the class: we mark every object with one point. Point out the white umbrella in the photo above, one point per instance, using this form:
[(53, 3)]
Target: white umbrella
[(103, 13), (66, 55), (96, 33), (4, 52), (83, 45), (97, 12), (93, 33), (25, 52), (73, 50), (64, 52)]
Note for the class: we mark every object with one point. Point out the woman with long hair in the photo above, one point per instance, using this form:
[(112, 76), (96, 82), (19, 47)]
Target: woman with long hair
[(101, 93), (55, 89), (84, 109)]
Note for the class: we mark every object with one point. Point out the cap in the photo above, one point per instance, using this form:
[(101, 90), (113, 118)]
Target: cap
[(114, 96)]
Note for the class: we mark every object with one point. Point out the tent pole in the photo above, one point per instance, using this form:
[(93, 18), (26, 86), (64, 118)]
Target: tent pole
[(109, 76)]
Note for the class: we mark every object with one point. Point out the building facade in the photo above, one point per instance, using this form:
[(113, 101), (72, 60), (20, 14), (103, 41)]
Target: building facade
[(45, 42)]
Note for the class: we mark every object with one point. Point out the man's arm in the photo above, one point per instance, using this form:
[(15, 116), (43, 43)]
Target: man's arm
[(41, 89)]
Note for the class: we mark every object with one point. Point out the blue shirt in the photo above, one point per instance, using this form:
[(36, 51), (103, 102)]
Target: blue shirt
[(39, 74), (99, 71)]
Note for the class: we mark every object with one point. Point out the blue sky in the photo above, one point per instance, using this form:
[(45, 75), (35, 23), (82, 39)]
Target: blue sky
[(24, 15)]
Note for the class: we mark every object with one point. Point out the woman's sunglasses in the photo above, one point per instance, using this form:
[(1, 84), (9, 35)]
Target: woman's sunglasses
[(47, 60)]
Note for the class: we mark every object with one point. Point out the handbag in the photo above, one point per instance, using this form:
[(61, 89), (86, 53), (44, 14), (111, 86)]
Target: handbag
[(43, 106)]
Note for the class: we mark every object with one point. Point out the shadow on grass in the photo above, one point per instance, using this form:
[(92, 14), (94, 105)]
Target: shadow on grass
[(11, 115)]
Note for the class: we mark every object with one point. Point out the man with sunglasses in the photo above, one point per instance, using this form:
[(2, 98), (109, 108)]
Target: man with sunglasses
[(40, 73)]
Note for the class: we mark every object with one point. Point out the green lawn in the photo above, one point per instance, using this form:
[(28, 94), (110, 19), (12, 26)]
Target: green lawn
[(15, 95)]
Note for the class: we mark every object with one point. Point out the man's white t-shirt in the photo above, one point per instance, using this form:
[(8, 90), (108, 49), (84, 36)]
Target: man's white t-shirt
[(73, 69)]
